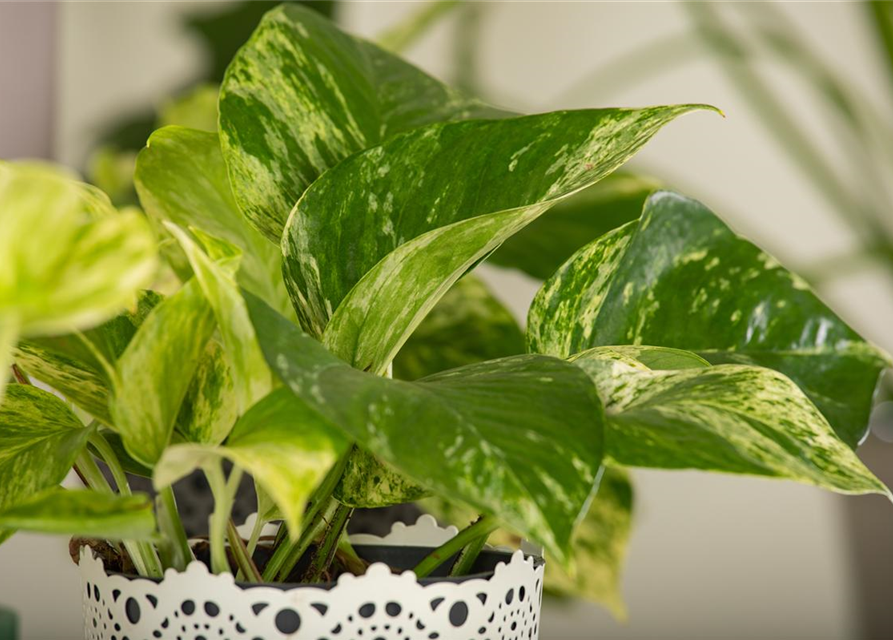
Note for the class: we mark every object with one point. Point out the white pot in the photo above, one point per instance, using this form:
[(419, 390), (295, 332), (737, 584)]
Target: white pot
[(503, 604)]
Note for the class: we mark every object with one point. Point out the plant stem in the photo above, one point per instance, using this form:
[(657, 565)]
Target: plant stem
[(482, 527), (179, 553), (252, 541), (146, 549), (325, 552), (468, 556), (20, 377), (93, 478), (223, 504), (352, 562), (399, 37), (287, 555), (240, 551)]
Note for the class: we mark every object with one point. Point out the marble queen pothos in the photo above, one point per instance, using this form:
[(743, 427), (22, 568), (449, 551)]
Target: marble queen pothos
[(326, 335)]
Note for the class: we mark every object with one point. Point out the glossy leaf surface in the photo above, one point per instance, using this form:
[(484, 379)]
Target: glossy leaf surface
[(417, 212), (726, 418), (518, 437), (544, 245), (156, 370), (284, 444), (681, 278), (39, 440), (84, 513), (302, 95), (468, 325), (181, 178)]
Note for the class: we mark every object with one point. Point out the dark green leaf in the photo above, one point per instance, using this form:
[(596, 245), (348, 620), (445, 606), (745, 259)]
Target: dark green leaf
[(727, 418), (39, 440), (83, 513), (518, 437), (543, 246), (468, 325), (284, 444), (681, 278), (301, 96), (416, 213)]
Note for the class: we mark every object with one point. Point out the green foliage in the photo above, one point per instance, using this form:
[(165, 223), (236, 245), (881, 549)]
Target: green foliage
[(681, 278), (325, 333), (520, 437), (83, 513)]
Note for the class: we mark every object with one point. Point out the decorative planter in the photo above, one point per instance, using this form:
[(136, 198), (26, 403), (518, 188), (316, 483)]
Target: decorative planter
[(500, 603)]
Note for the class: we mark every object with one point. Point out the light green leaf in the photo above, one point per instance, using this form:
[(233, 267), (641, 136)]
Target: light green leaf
[(468, 325), (681, 278), (369, 483), (39, 440), (419, 211), (727, 418), (210, 408), (156, 370), (70, 260), (301, 96), (181, 178), (68, 365), (83, 513), (284, 444), (197, 109), (519, 438), (543, 246), (9, 333), (250, 372)]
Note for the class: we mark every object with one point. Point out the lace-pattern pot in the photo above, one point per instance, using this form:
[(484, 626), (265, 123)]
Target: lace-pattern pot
[(196, 605)]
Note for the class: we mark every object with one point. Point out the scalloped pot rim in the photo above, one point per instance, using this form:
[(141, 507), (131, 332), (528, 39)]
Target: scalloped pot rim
[(197, 604)]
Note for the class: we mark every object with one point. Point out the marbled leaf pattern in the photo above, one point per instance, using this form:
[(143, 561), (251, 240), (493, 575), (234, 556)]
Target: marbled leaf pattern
[(681, 278), (518, 437), (302, 95)]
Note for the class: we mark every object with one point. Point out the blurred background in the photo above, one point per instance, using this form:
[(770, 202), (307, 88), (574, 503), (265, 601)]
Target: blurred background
[(802, 164)]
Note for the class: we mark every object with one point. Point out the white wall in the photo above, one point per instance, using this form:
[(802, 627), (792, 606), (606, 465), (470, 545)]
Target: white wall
[(712, 557)]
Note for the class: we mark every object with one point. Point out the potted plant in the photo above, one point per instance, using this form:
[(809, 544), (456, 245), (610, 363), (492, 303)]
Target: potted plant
[(314, 324)]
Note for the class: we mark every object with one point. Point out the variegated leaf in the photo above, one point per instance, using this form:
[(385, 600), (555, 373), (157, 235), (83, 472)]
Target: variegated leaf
[(249, 370), (419, 211), (284, 444), (301, 96), (69, 365), (70, 260), (599, 544), (468, 325), (39, 440), (210, 407), (83, 513), (181, 178), (543, 246), (727, 418), (518, 437), (156, 370), (681, 278)]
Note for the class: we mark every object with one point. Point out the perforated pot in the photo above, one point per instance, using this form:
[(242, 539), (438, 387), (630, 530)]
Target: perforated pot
[(500, 602)]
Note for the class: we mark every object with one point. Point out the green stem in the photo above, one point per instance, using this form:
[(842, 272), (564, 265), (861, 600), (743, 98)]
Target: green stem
[(468, 556), (352, 562), (252, 541), (401, 36), (325, 552), (240, 552), (481, 528), (146, 549), (223, 504), (179, 554), (94, 479), (287, 553)]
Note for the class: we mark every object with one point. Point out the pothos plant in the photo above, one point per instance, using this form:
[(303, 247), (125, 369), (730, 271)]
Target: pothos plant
[(324, 333)]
